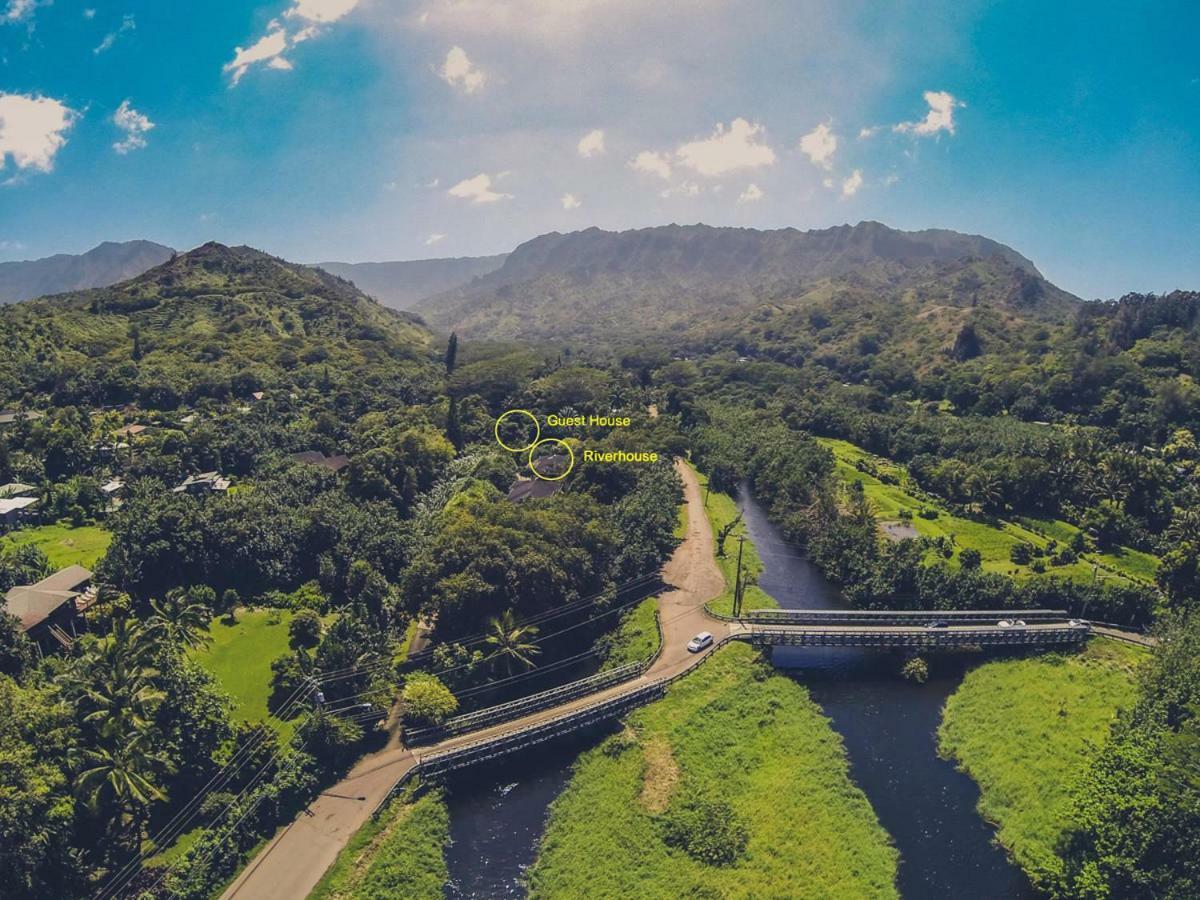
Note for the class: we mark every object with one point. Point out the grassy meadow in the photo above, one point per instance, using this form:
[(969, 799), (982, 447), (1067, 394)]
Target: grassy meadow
[(722, 509), (733, 732), (63, 545), (239, 656), (1023, 729), (399, 854), (993, 539), (636, 637)]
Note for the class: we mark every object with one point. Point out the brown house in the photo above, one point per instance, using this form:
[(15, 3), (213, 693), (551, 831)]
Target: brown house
[(49, 610)]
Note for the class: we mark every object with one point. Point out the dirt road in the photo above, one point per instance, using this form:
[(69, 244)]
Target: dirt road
[(291, 865)]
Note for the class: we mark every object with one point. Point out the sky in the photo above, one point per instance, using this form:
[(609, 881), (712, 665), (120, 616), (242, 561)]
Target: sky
[(354, 130)]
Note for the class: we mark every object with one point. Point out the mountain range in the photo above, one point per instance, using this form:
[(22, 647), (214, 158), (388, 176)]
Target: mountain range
[(699, 284), (101, 266)]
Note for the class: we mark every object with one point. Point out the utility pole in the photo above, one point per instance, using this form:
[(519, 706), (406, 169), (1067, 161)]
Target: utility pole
[(737, 587)]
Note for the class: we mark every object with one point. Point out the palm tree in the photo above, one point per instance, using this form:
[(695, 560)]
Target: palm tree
[(512, 642), (179, 621), (123, 772)]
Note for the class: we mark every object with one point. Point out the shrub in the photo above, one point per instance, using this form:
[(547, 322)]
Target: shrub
[(916, 669), (305, 629), (1021, 554), (428, 701), (709, 831), (927, 513), (970, 559)]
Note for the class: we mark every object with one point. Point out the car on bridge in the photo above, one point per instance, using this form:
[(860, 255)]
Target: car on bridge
[(937, 623), (700, 642), (1011, 623)]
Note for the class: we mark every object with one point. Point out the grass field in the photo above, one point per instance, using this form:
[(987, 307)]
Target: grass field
[(735, 732), (636, 637), (240, 658), (400, 854), (63, 545), (993, 541), (722, 509), (1022, 728)]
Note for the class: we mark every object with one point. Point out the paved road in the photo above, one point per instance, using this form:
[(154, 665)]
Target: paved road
[(291, 865)]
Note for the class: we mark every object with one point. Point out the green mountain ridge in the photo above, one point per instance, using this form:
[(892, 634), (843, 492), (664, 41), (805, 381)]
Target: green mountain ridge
[(215, 322)]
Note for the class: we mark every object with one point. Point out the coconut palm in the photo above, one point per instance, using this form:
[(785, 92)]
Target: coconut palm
[(512, 643), (179, 621), (122, 773)]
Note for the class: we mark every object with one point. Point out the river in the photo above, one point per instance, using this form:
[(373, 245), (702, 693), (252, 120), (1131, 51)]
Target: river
[(497, 811)]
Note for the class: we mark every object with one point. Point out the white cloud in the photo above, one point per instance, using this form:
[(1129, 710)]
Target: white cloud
[(939, 118), (591, 144), (819, 145), (851, 185), (19, 10), (889, 180), (127, 24), (458, 71), (310, 16), (751, 194), (89, 13), (652, 164), (477, 190), (323, 11), (134, 124), (267, 49), (434, 183), (685, 189), (865, 133), (570, 201), (33, 130), (728, 150), (434, 238)]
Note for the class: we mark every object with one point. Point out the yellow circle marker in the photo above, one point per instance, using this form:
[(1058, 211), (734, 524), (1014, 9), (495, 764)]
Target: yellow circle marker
[(536, 435), (566, 471)]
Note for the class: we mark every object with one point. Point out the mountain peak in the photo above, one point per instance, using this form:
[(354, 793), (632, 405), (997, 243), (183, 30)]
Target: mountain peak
[(105, 264)]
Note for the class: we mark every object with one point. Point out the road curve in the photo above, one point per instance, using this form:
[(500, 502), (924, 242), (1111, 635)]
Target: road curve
[(293, 862)]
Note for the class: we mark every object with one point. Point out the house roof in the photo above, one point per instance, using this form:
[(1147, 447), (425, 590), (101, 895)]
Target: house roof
[(532, 489), (12, 504), (16, 489), (552, 465), (113, 486), (210, 479), (317, 458), (8, 416), (131, 430), (34, 603)]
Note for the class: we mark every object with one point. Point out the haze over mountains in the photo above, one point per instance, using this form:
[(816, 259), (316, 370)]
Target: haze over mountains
[(101, 266), (696, 281), (401, 285)]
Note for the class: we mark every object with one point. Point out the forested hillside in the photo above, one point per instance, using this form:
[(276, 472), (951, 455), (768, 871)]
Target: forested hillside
[(698, 286)]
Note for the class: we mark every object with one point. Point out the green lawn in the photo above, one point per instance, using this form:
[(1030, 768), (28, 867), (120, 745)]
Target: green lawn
[(993, 541), (63, 545), (722, 509), (1024, 728), (636, 637), (400, 854), (240, 658), (731, 731)]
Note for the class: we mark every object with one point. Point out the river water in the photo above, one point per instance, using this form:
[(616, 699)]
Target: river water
[(497, 811)]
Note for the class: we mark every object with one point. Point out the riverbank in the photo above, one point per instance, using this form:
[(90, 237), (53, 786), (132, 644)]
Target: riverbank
[(399, 854), (747, 740), (1024, 728)]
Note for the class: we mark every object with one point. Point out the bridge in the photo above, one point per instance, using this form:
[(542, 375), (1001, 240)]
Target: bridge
[(294, 861)]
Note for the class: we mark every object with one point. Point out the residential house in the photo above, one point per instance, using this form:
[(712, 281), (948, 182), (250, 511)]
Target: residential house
[(204, 483), (16, 489), (17, 511), (536, 488), (318, 458), (49, 611), (11, 416)]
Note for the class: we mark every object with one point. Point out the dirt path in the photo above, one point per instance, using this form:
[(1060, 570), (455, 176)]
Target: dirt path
[(290, 866)]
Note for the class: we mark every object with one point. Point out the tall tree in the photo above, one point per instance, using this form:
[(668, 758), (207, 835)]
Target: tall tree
[(512, 644), (452, 353)]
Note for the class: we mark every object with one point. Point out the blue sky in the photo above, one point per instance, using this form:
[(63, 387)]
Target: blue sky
[(369, 129)]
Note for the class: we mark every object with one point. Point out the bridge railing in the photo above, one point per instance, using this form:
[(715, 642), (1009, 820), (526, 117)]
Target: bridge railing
[(798, 636), (894, 616), (523, 706)]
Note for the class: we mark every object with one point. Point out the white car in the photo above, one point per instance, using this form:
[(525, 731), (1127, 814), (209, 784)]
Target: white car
[(700, 642), (1005, 623)]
